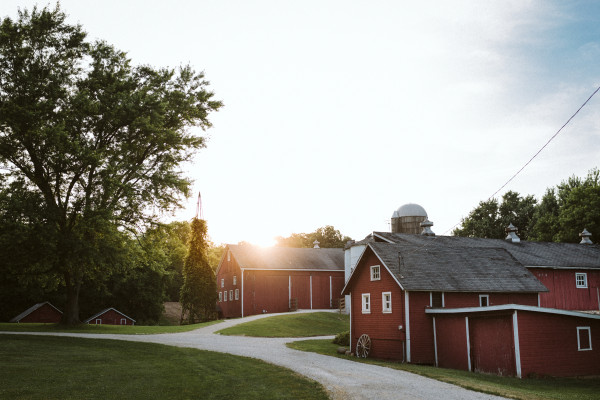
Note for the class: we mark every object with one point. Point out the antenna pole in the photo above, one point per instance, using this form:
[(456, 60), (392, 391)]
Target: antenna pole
[(199, 206)]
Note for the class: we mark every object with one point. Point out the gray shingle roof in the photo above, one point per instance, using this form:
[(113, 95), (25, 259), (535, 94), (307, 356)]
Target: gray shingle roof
[(530, 254), (32, 309), (287, 257), (456, 269)]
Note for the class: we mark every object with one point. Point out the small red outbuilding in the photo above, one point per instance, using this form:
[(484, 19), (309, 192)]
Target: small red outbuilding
[(110, 316), (41, 313)]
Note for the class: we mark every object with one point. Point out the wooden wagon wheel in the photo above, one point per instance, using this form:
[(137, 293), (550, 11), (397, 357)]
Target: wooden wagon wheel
[(363, 346)]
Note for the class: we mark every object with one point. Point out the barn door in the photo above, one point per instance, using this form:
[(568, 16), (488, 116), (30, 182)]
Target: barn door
[(492, 348)]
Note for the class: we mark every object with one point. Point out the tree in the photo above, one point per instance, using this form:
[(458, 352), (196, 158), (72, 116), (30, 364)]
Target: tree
[(95, 141), (199, 291), (490, 219), (327, 236)]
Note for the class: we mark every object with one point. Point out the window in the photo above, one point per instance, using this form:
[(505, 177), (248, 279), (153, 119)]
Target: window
[(220, 296), (436, 300), (584, 338), (230, 295), (237, 294), (222, 283), (99, 321), (366, 303), (375, 273), (225, 295), (484, 300), (234, 280), (581, 280), (386, 301), (123, 321)]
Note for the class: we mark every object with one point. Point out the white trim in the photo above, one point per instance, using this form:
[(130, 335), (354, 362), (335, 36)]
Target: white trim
[(585, 280), (236, 295), (330, 293), (382, 238), (505, 307), (443, 300), (98, 321), (367, 309), (430, 299), (289, 290), (560, 267), (484, 296), (374, 268), (589, 331), (539, 301), (294, 269), (435, 343), (468, 343), (121, 321), (517, 344), (350, 320), (407, 323), (383, 308)]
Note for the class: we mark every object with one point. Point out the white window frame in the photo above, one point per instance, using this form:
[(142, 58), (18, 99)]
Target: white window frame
[(98, 321), (222, 282), (386, 304), (231, 295), (225, 295), (579, 344), (220, 296), (375, 272), (237, 294), (234, 280), (366, 303), (487, 300), (123, 321), (581, 281)]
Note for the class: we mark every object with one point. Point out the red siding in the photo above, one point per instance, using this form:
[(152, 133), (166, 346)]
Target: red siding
[(459, 300), (548, 344), (421, 329), (228, 269), (451, 335), (492, 347), (111, 317), (387, 340), (45, 314), (564, 294)]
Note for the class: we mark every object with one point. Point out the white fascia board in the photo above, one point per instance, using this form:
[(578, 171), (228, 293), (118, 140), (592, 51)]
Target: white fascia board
[(511, 307), (560, 267), (382, 238)]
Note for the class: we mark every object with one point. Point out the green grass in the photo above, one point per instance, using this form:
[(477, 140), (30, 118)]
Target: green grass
[(530, 389), (292, 325), (113, 329), (44, 367)]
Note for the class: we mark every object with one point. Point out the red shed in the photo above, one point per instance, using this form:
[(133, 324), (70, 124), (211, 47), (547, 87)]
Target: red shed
[(517, 340), (254, 280), (110, 316), (41, 312)]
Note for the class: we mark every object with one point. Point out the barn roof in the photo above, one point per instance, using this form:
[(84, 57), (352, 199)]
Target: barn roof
[(530, 254), (104, 311), (32, 309), (254, 257), (448, 269)]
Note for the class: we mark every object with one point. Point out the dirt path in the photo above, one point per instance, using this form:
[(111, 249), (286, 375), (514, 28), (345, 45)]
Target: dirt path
[(343, 379)]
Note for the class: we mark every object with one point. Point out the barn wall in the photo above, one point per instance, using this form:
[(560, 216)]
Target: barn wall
[(227, 270), (564, 294), (548, 345), (421, 329), (451, 337), (459, 300), (387, 340), (45, 314), (111, 317)]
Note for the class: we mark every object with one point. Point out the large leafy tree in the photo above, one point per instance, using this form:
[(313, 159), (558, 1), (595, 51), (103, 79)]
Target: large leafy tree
[(327, 236), (91, 141), (199, 291), (490, 218)]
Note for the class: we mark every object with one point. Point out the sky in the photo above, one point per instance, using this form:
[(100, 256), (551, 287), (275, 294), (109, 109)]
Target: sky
[(339, 112)]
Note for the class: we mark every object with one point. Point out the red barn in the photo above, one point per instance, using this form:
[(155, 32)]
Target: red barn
[(110, 316), (41, 313), (254, 280), (477, 304)]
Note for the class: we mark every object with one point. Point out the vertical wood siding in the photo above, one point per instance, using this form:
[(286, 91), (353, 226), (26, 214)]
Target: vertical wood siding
[(492, 347), (563, 293), (45, 314), (451, 337)]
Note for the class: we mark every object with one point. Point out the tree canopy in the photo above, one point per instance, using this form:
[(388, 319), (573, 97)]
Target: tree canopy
[(327, 236), (563, 212), (90, 146)]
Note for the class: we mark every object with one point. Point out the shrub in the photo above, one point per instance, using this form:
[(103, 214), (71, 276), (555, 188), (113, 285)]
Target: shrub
[(343, 339)]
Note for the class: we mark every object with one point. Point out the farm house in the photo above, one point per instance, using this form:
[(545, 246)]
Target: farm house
[(441, 300), (254, 280), (41, 313)]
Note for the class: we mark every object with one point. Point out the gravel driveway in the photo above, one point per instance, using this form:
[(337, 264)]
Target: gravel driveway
[(342, 378)]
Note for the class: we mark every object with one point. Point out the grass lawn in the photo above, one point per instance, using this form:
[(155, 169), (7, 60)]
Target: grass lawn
[(293, 325), (45, 367), (116, 329), (546, 388)]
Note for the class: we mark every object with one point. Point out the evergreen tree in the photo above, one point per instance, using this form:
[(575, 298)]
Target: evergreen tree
[(199, 291)]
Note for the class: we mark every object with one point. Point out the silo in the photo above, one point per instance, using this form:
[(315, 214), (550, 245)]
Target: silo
[(408, 218)]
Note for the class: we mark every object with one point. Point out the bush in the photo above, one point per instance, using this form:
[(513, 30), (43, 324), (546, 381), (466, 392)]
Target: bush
[(343, 339)]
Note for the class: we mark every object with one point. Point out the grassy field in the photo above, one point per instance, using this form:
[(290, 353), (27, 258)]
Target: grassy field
[(44, 367), (293, 325), (530, 389), (116, 329)]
